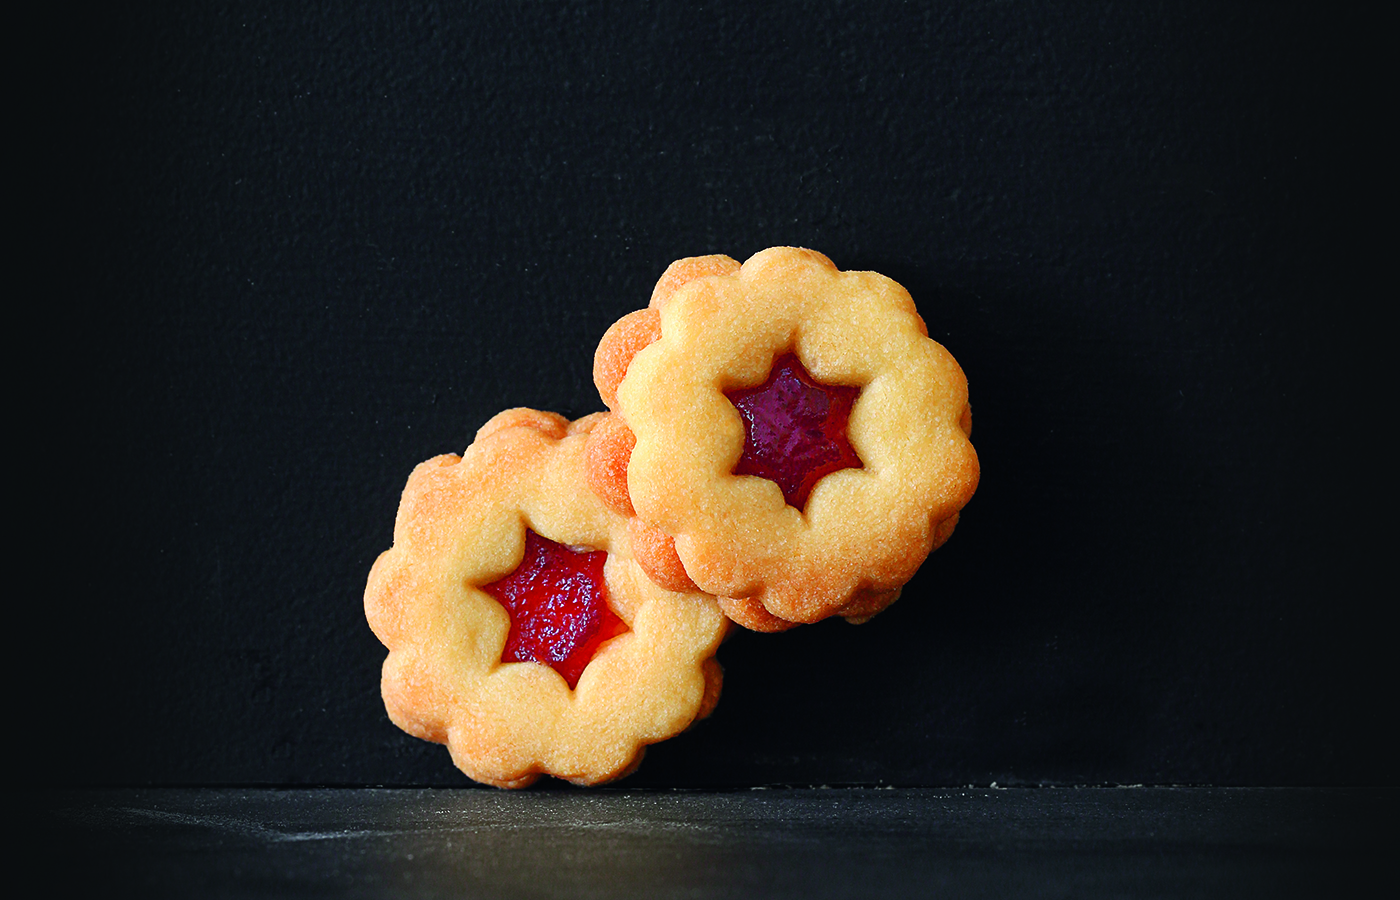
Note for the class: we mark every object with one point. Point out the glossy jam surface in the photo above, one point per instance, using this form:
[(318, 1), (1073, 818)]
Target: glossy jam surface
[(794, 429), (558, 605)]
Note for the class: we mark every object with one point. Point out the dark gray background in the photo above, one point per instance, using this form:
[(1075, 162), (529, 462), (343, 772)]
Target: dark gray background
[(300, 252)]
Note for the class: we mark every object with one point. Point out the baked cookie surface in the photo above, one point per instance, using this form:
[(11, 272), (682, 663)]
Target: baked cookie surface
[(782, 547), (521, 631)]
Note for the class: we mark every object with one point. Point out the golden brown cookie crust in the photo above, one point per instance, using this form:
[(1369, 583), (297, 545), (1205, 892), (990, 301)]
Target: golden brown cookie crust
[(461, 524), (609, 448), (864, 531), (620, 343)]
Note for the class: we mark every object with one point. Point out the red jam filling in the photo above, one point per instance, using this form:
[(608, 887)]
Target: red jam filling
[(795, 429), (558, 605)]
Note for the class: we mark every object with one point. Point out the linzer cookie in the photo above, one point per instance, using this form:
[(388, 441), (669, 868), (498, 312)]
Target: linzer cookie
[(521, 631), (788, 437)]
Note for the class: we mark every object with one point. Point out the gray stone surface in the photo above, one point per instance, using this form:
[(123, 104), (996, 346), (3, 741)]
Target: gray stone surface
[(811, 843)]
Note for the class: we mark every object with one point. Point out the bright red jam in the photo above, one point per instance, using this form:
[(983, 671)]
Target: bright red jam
[(558, 605), (795, 429)]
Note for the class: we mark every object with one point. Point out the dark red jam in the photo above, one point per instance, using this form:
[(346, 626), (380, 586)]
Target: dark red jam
[(795, 429), (558, 605)]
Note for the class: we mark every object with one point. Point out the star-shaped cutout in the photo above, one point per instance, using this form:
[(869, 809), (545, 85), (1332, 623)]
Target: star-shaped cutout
[(795, 429), (558, 605)]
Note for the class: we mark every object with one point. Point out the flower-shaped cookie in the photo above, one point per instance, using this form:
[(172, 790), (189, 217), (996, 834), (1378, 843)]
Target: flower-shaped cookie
[(503, 556), (789, 438)]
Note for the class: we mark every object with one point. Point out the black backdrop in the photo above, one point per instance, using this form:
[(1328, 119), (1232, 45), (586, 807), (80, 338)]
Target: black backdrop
[(303, 250)]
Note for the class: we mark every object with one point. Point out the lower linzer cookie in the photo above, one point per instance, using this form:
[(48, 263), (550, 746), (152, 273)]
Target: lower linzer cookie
[(521, 632), (789, 438)]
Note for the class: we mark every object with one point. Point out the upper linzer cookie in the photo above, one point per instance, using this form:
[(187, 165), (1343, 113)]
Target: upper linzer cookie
[(789, 439), (521, 632)]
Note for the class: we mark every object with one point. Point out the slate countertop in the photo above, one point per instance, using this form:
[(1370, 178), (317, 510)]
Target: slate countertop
[(781, 842)]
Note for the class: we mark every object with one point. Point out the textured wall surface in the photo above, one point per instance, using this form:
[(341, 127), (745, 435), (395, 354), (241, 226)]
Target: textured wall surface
[(308, 250)]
